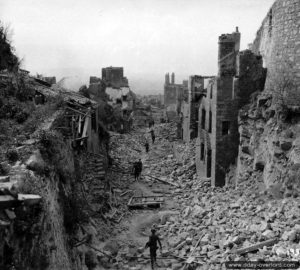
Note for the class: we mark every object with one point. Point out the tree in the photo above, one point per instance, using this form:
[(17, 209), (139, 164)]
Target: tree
[(8, 59)]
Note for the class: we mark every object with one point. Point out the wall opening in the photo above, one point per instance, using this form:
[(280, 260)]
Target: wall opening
[(208, 166), (202, 151), (225, 127), (210, 122), (94, 121), (211, 92), (203, 119)]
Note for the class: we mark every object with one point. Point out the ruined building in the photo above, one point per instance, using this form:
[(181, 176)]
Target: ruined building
[(269, 133), (239, 75), (189, 112), (120, 97), (174, 94), (114, 77)]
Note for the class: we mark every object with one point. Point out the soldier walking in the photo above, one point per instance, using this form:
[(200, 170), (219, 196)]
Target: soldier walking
[(152, 244)]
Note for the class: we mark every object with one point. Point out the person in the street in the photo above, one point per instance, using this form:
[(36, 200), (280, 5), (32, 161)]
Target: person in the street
[(136, 171), (152, 244), (153, 137), (147, 146), (140, 168)]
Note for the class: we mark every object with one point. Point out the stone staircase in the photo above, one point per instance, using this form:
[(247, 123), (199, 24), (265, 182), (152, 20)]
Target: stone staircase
[(95, 178)]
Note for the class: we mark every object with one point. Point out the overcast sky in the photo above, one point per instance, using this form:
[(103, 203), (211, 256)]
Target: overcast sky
[(147, 37)]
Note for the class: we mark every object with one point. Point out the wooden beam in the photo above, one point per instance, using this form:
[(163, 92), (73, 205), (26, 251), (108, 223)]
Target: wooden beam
[(257, 246), (77, 111), (163, 181), (99, 250), (8, 201)]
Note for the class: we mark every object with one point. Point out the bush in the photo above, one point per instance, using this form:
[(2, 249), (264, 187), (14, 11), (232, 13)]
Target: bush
[(32, 185), (12, 155), (49, 143), (4, 168), (21, 117)]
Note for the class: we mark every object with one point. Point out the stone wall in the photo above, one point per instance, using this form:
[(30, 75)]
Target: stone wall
[(206, 143), (269, 144), (278, 41)]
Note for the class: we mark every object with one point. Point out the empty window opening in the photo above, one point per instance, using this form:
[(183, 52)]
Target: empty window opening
[(210, 122), (211, 92), (225, 127), (94, 122), (208, 167), (203, 119), (202, 151)]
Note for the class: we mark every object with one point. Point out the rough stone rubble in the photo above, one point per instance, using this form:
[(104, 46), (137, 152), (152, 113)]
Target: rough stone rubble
[(223, 220)]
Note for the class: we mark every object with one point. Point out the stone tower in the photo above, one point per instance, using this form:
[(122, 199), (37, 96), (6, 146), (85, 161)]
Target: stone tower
[(167, 79), (173, 78), (225, 144), (229, 46)]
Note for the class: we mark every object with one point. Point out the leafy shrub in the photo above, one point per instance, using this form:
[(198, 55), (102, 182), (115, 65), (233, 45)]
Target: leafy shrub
[(21, 117), (32, 185), (4, 168), (12, 155)]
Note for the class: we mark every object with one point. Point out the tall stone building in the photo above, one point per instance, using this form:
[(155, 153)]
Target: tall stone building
[(239, 75), (190, 108), (114, 77)]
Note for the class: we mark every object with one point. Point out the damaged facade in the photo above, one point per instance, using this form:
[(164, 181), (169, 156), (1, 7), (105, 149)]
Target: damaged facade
[(189, 116), (119, 95), (174, 95), (240, 74), (114, 96), (142, 116)]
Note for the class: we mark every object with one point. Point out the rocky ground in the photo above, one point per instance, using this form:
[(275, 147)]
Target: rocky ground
[(200, 227)]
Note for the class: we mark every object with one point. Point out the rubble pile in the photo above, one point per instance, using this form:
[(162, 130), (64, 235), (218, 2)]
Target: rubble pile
[(167, 131), (226, 220), (209, 226)]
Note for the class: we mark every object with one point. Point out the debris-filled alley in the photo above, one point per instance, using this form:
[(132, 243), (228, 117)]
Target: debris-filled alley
[(200, 227), (184, 157)]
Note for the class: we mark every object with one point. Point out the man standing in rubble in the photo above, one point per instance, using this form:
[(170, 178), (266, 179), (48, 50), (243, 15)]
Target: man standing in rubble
[(139, 168), (152, 244), (136, 170), (147, 146), (152, 136)]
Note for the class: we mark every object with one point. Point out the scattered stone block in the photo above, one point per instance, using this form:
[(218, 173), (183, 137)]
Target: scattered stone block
[(286, 146), (289, 235), (4, 179), (269, 234)]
